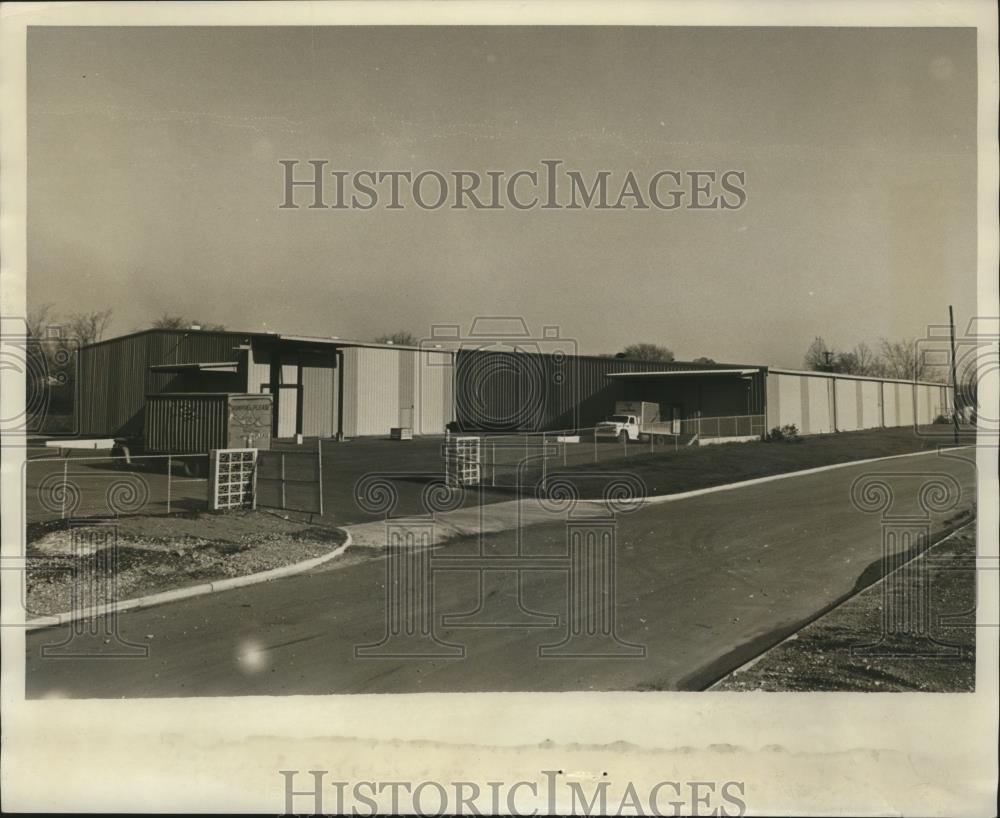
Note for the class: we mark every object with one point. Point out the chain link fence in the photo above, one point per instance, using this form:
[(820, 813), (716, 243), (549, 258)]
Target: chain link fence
[(519, 459), (75, 487)]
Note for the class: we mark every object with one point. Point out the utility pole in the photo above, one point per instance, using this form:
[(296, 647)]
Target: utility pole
[(954, 378)]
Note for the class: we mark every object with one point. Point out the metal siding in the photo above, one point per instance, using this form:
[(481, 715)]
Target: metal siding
[(350, 360), (507, 391), (890, 401), (377, 372), (820, 421), (790, 397), (905, 404), (185, 424), (319, 401), (871, 415), (434, 373), (258, 369), (926, 404), (773, 401), (115, 376), (407, 359), (847, 404)]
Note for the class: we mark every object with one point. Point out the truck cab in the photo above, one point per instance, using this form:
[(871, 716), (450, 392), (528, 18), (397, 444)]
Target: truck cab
[(620, 426)]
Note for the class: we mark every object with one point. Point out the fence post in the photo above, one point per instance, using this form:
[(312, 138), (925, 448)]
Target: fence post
[(493, 459), (544, 458), (283, 500), (319, 468), (169, 475), (65, 488), (594, 435)]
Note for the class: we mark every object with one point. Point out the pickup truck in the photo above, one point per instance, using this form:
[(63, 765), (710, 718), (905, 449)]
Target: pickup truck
[(635, 420), (618, 427)]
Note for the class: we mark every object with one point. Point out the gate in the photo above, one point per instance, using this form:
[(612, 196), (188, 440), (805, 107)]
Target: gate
[(290, 480)]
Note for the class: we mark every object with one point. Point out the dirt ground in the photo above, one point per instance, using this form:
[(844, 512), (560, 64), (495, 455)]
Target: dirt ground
[(68, 567), (850, 649)]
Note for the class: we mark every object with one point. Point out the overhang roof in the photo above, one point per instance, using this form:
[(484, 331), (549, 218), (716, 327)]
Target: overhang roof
[(220, 366), (678, 373)]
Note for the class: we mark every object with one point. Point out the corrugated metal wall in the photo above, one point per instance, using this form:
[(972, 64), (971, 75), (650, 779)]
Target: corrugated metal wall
[(319, 397), (701, 395), (114, 375), (821, 403), (522, 391), (193, 424), (435, 373), (384, 388)]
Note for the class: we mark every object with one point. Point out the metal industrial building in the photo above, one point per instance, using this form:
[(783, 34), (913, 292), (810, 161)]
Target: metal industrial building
[(328, 387), (322, 387), (820, 402)]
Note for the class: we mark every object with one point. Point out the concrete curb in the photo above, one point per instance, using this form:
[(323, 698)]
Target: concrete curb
[(449, 530), (683, 495), (195, 590), (835, 608)]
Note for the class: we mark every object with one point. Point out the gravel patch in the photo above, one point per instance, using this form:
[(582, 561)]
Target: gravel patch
[(830, 653), (91, 564)]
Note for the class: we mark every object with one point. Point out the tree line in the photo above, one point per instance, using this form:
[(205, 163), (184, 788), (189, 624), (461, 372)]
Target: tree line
[(903, 359)]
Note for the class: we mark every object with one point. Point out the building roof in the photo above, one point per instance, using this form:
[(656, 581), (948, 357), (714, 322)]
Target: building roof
[(221, 366), (682, 373), (813, 374)]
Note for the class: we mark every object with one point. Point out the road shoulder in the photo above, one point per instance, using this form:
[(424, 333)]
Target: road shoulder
[(884, 639)]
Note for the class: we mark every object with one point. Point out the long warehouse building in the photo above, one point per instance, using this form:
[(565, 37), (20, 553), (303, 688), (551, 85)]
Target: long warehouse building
[(328, 387)]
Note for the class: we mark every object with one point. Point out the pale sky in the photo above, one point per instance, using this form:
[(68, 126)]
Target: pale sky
[(154, 182)]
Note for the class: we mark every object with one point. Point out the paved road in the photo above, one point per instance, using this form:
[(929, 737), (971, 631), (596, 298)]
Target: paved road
[(702, 584)]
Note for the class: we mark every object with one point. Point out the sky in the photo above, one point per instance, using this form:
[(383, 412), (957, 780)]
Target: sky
[(154, 185)]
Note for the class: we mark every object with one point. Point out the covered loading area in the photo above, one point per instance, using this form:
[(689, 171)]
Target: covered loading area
[(712, 404)]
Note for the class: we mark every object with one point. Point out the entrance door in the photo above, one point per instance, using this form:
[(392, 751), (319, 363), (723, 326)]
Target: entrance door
[(406, 417)]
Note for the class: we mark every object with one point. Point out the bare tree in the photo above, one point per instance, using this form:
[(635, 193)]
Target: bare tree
[(903, 360), (38, 319), (169, 321), (647, 352), (88, 327), (861, 360), (820, 357), (400, 338), (865, 360)]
